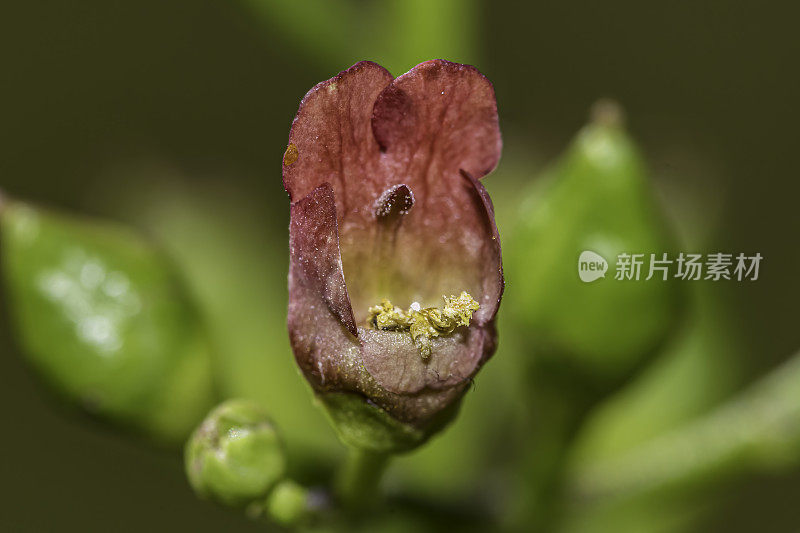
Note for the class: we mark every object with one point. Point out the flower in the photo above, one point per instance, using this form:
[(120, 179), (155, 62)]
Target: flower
[(386, 206)]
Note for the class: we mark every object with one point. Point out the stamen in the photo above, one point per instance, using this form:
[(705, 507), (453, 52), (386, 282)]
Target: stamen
[(424, 324)]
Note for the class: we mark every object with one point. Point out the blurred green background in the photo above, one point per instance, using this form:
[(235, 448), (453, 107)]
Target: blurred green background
[(173, 117)]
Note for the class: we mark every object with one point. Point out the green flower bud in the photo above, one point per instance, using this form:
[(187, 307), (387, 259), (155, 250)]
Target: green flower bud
[(596, 198), (288, 504), (235, 456), (104, 318)]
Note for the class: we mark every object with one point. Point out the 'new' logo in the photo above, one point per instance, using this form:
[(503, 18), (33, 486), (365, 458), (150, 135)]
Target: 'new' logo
[(591, 266)]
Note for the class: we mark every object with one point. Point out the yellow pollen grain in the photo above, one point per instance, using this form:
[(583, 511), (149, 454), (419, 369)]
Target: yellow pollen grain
[(424, 324)]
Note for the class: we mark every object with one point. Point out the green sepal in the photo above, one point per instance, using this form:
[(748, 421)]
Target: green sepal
[(365, 426)]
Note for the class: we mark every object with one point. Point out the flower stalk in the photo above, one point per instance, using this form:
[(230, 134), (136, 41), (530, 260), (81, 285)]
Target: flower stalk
[(357, 485)]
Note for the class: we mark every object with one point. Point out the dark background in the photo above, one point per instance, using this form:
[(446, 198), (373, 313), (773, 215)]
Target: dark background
[(94, 93)]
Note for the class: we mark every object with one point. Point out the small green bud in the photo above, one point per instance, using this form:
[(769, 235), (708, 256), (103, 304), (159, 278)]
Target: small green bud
[(104, 318), (596, 198), (288, 503), (235, 456)]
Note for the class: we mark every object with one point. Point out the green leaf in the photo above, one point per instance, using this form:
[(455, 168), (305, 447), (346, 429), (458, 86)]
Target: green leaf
[(104, 318), (758, 430)]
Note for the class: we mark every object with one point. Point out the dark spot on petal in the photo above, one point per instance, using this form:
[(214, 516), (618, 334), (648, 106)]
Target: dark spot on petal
[(392, 117), (396, 200), (291, 155)]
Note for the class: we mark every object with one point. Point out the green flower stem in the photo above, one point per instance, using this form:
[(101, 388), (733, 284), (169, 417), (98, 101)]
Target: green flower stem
[(406, 32), (555, 419), (756, 431), (359, 478)]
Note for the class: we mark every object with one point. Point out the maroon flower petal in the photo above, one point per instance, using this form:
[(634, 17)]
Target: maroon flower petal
[(331, 139), (431, 123), (435, 120), (493, 281), (394, 361), (316, 266)]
